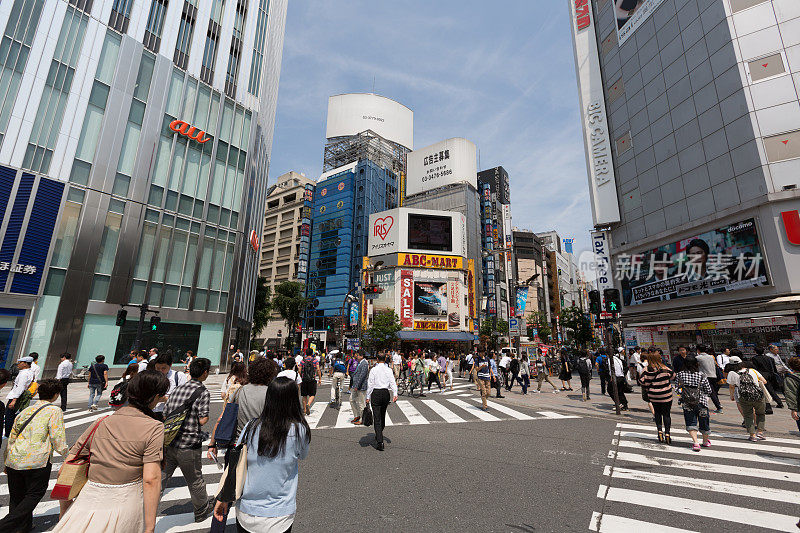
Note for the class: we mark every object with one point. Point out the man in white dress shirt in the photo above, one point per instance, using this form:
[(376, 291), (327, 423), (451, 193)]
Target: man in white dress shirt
[(35, 368), (381, 390), (63, 374), (22, 382)]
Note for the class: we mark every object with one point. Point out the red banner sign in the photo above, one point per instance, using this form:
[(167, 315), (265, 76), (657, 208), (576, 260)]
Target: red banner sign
[(407, 298)]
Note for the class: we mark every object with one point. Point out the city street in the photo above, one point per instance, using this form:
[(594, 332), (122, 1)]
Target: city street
[(545, 462)]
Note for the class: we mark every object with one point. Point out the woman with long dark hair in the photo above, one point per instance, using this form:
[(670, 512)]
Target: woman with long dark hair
[(124, 484), (236, 378), (276, 442)]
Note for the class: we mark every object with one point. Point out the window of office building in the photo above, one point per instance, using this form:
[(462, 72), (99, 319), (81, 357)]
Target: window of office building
[(210, 53), (48, 119), (83, 5), (90, 132), (155, 25), (235, 54), (254, 84), (120, 15), (14, 50), (108, 249), (185, 31), (133, 130), (65, 240)]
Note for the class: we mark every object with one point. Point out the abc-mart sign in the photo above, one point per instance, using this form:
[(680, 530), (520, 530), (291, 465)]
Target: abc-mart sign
[(602, 181)]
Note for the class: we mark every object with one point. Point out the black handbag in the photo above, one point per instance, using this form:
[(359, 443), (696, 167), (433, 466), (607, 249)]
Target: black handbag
[(366, 416)]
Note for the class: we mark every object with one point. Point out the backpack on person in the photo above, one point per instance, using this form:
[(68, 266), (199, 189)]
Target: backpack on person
[(749, 389), (174, 421), (308, 373), (119, 394), (690, 397), (513, 366)]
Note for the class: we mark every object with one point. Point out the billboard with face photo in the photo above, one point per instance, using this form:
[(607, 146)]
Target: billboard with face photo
[(631, 14), (725, 259), (430, 298)]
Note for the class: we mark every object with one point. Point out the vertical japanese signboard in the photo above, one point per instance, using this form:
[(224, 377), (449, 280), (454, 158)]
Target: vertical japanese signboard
[(407, 298)]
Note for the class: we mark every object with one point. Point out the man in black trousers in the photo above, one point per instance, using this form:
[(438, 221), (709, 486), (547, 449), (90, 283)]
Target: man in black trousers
[(381, 390)]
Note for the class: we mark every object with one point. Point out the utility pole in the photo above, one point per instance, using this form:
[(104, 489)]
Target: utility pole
[(613, 353)]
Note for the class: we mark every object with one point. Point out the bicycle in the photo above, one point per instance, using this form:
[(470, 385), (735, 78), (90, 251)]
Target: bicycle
[(336, 401), (82, 375)]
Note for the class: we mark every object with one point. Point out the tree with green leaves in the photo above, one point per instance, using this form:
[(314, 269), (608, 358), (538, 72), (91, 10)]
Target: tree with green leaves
[(577, 324), (538, 320), (262, 308), (382, 334), (290, 302)]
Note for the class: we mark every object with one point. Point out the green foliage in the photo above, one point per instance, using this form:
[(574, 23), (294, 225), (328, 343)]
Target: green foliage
[(538, 321), (382, 334), (502, 326), (577, 324), (290, 301)]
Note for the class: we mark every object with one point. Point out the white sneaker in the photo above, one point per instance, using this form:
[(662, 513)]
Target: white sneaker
[(535, 391), (555, 391)]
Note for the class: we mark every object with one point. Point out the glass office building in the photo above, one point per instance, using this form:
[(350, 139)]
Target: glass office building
[(135, 142)]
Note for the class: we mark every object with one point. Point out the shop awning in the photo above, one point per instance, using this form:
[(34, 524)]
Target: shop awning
[(436, 336)]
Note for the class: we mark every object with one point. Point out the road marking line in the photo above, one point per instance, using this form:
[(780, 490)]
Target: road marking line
[(759, 447), (752, 491), (181, 522), (411, 413), (716, 468), (84, 420), (553, 414), (718, 511), (343, 419), (716, 454), (474, 409), (606, 523), (446, 414), (507, 410), (317, 410), (716, 435)]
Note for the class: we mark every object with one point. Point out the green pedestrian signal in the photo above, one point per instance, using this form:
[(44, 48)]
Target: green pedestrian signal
[(612, 300), (155, 322)]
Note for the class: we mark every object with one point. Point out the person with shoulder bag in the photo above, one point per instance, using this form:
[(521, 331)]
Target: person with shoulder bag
[(263, 483), (747, 389), (38, 431), (98, 381), (123, 485)]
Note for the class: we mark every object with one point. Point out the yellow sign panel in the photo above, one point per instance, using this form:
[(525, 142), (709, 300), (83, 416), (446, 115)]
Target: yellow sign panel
[(446, 262), (430, 325)]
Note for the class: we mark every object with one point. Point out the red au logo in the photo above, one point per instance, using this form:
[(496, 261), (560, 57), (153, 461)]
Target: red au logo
[(179, 126), (791, 224), (253, 240)]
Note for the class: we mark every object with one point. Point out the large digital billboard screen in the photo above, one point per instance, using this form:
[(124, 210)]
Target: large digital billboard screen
[(426, 232), (631, 14), (725, 259)]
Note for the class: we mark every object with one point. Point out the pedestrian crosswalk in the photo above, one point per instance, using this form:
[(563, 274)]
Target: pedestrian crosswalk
[(735, 485)]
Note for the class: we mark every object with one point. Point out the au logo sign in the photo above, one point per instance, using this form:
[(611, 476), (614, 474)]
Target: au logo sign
[(791, 224), (181, 127)]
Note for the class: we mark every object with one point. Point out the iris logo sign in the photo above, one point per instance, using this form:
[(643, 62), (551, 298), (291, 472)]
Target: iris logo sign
[(382, 227), (181, 127)]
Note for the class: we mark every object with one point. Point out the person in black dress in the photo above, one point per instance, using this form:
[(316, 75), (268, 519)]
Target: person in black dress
[(565, 375)]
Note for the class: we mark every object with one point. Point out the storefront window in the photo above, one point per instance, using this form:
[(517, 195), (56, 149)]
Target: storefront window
[(10, 330)]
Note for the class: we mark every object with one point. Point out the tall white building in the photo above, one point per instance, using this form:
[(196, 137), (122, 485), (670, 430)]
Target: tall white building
[(135, 140)]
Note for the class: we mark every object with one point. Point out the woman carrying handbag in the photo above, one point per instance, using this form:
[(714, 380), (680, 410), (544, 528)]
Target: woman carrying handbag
[(123, 485), (263, 485)]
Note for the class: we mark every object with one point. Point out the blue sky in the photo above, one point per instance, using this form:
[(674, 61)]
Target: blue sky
[(501, 74)]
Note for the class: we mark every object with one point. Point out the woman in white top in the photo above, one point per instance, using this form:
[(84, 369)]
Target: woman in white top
[(747, 389), (381, 390)]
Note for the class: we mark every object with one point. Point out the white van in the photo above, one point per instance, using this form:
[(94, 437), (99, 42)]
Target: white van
[(509, 351)]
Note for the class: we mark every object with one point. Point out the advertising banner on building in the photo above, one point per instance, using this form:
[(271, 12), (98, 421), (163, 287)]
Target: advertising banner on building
[(471, 288), (430, 298), (430, 325), (385, 300), (351, 114), (725, 259), (602, 264), (631, 14), (353, 314), (407, 298), (454, 304), (430, 261), (602, 181), (443, 163), (522, 300), (364, 313)]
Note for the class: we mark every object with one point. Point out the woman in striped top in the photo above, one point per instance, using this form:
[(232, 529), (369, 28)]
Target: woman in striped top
[(657, 379)]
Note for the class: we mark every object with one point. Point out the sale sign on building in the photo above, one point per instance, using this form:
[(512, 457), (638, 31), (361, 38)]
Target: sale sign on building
[(407, 298)]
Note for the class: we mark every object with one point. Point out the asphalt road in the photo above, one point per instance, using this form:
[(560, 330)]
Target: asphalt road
[(533, 464)]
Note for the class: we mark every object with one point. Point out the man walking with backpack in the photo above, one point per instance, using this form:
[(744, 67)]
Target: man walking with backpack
[(309, 372), (745, 386), (183, 449)]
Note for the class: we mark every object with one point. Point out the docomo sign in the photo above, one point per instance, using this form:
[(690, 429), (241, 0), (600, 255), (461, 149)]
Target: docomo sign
[(182, 128), (253, 240)]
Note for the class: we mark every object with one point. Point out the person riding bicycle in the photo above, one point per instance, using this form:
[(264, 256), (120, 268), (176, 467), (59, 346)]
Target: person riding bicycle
[(418, 375), (339, 372)]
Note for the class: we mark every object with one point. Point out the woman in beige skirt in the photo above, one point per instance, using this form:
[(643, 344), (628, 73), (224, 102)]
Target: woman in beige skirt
[(124, 484)]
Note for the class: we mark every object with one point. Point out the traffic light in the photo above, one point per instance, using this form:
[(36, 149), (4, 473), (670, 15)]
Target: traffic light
[(594, 302), (613, 303), (372, 289), (155, 322), (121, 316)]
